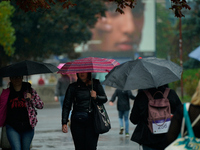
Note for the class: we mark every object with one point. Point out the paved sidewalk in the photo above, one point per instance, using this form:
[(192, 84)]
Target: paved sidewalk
[(48, 134)]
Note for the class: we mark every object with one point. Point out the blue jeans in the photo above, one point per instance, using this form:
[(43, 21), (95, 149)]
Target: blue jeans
[(61, 100), (124, 114), (19, 140)]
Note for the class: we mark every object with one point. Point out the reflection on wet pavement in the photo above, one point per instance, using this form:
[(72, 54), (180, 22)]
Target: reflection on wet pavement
[(48, 134)]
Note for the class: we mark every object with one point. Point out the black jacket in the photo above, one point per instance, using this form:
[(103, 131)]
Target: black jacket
[(123, 102), (78, 95), (62, 85), (139, 115)]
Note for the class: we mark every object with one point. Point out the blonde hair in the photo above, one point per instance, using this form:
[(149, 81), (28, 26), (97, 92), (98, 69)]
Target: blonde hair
[(196, 96)]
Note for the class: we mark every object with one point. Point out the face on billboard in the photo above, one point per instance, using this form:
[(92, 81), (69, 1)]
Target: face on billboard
[(118, 32), (133, 31)]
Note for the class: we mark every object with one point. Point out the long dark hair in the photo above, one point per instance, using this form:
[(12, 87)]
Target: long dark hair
[(26, 86), (89, 76)]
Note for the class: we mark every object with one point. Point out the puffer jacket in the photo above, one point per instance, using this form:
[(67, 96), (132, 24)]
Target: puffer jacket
[(34, 102), (78, 95)]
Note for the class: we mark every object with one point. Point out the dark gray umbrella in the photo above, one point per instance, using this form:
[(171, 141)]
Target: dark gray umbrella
[(143, 73), (27, 67)]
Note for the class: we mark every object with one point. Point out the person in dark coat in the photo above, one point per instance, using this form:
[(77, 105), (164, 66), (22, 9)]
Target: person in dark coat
[(139, 114), (61, 87), (194, 111), (80, 95), (123, 107)]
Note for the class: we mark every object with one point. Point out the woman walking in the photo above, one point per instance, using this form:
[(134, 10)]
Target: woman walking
[(80, 94), (18, 114)]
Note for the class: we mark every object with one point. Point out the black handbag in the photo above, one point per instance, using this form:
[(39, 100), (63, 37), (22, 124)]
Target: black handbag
[(4, 143), (101, 119)]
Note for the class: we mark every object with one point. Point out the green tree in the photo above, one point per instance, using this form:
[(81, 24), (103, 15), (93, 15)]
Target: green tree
[(54, 31), (191, 30), (190, 34), (164, 31), (7, 37), (35, 5)]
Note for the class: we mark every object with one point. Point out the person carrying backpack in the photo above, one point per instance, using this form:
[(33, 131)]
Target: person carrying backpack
[(151, 113)]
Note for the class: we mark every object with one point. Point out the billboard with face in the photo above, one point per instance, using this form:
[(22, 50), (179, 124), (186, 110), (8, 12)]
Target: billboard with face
[(131, 34)]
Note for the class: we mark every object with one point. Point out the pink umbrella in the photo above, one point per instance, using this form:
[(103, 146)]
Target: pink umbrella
[(60, 65), (89, 64), (72, 76)]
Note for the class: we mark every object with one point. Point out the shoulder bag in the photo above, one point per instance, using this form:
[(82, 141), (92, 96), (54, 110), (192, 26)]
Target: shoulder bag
[(188, 142), (101, 119), (4, 143)]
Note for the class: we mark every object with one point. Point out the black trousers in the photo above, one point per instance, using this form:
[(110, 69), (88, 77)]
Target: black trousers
[(84, 135)]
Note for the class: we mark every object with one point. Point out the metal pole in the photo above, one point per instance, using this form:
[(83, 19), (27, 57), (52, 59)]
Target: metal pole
[(181, 54)]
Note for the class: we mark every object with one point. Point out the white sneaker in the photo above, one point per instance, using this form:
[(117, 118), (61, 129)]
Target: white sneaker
[(127, 134)]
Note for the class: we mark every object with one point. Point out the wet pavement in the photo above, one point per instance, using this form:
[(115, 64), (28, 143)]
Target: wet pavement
[(48, 134)]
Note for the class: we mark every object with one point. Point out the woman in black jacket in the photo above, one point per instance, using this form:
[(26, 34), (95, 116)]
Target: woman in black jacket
[(80, 94), (139, 115)]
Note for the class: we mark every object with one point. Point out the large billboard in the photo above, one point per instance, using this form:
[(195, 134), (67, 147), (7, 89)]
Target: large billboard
[(127, 35)]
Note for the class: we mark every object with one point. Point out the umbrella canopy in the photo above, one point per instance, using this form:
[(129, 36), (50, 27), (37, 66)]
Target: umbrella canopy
[(72, 76), (143, 73), (195, 54), (27, 67), (89, 64), (60, 65)]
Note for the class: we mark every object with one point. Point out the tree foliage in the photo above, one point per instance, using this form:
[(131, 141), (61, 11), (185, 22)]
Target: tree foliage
[(163, 38), (7, 37), (54, 31), (48, 28), (190, 34), (34, 5), (177, 6), (191, 30)]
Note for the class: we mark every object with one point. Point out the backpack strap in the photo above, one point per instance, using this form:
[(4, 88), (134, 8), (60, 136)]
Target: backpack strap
[(148, 94), (187, 120), (166, 92), (152, 97), (193, 123)]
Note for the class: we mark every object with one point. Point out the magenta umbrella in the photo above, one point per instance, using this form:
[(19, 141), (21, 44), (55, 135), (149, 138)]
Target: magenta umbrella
[(60, 65), (72, 76), (89, 64)]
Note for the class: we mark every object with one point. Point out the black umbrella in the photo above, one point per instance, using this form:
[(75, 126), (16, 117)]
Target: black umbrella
[(27, 67), (143, 74)]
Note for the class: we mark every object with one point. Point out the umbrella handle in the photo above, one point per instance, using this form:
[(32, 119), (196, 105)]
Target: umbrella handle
[(28, 90), (91, 81)]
